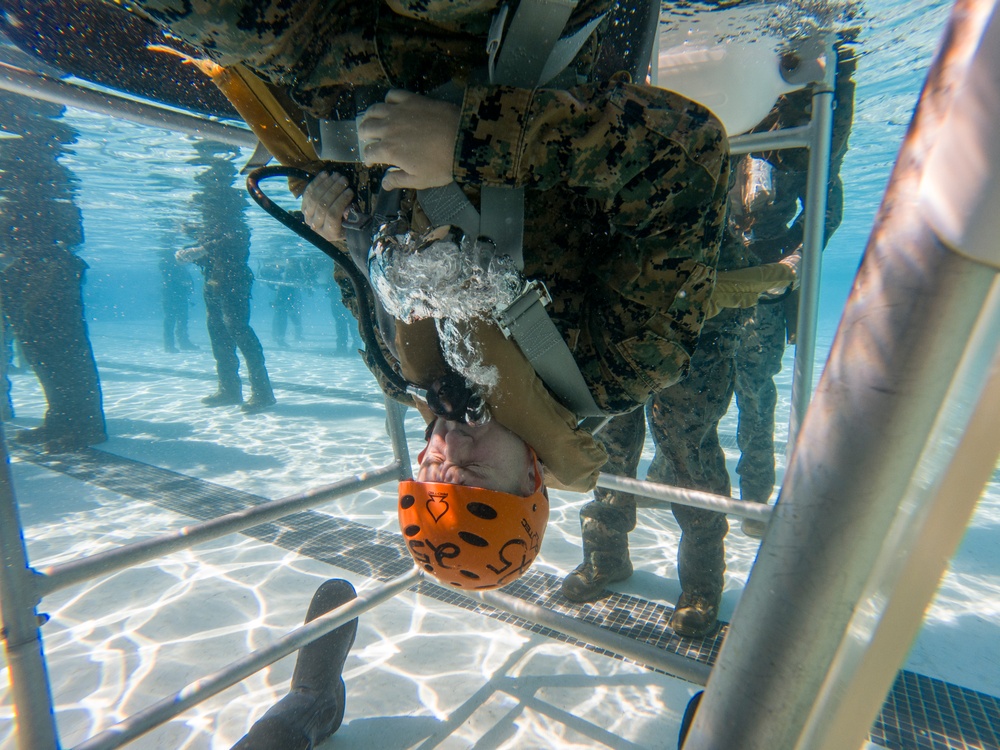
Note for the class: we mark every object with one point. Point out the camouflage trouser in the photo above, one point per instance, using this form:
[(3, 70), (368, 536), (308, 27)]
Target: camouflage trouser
[(684, 421), (762, 346)]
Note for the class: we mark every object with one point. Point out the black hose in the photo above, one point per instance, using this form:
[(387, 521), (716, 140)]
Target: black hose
[(366, 315)]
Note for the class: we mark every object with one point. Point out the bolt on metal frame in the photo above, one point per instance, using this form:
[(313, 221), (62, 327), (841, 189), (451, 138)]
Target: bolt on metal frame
[(22, 587)]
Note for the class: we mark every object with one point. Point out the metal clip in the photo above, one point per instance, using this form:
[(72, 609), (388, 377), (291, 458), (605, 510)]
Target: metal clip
[(535, 292)]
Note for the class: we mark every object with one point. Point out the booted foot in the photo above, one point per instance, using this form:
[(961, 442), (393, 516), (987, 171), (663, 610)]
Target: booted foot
[(314, 707), (753, 527), (588, 583), (170, 349), (256, 403), (57, 441), (695, 616), (222, 398)]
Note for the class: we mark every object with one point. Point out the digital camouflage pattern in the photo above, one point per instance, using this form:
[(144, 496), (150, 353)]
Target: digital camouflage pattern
[(625, 184), (739, 352), (324, 51)]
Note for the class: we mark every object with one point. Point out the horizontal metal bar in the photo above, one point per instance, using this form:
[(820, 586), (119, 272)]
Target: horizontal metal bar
[(149, 718), (642, 653), (59, 576), (800, 137), (49, 89), (666, 495)]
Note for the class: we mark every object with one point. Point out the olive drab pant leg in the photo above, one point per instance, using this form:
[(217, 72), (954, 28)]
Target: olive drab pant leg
[(227, 364), (606, 521), (236, 314), (44, 303), (758, 361), (684, 421)]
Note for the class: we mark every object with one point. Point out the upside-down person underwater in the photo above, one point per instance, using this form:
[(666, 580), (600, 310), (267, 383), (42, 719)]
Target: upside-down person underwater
[(548, 259)]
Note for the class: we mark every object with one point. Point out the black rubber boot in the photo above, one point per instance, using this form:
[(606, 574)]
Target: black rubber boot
[(314, 707), (695, 616), (604, 531), (223, 398), (259, 402)]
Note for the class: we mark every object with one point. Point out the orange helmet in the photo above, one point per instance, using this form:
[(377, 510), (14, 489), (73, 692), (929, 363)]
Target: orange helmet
[(470, 537)]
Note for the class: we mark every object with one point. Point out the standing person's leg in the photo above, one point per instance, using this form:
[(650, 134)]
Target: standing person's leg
[(169, 322), (6, 365), (227, 364), (684, 421), (236, 313), (48, 318), (183, 318), (343, 332), (606, 521), (295, 312), (279, 323), (757, 363)]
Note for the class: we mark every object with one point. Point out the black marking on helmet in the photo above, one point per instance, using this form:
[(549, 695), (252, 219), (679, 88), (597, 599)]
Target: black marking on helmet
[(406, 502), (429, 568), (411, 530), (482, 510), (475, 540), (469, 574)]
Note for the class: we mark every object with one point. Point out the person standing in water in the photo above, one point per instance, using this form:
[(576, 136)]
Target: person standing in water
[(177, 287), (41, 277), (222, 252)]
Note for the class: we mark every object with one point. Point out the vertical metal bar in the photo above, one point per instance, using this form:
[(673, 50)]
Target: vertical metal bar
[(928, 529), (812, 244), (394, 413), (904, 332), (139, 723), (29, 680)]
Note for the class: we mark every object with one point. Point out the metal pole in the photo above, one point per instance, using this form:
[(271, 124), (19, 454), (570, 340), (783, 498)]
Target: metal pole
[(668, 495), (642, 653), (800, 137), (49, 89), (817, 187), (35, 726), (928, 530), (139, 723), (394, 414), (59, 576), (903, 334)]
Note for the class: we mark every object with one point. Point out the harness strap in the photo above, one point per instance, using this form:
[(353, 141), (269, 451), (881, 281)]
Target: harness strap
[(539, 340)]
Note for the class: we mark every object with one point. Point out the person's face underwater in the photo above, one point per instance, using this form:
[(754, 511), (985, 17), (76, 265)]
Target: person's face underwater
[(487, 455)]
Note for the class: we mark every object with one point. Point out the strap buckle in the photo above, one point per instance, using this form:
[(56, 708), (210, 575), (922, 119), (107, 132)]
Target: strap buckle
[(535, 292)]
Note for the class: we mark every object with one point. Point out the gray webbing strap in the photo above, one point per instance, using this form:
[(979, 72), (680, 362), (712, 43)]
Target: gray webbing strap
[(449, 205), (540, 341), (532, 35), (529, 42)]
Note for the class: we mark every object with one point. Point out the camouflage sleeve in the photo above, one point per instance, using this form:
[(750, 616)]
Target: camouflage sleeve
[(312, 47), (633, 149), (657, 166)]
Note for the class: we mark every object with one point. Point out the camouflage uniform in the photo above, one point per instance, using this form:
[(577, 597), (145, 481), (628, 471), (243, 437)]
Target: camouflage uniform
[(625, 185), (224, 234), (739, 351)]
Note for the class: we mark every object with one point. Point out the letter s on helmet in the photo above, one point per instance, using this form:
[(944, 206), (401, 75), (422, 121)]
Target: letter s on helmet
[(469, 537)]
